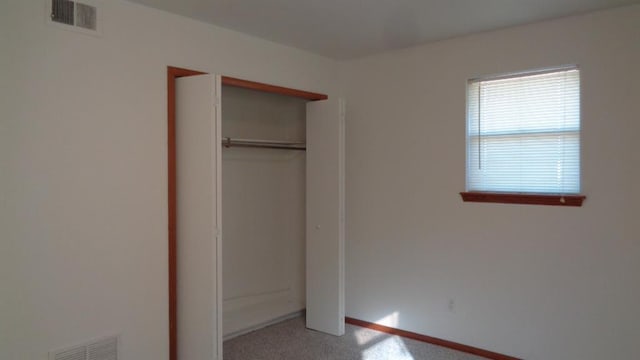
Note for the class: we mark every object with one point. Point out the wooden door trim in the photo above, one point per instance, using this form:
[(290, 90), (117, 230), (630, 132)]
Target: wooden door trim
[(230, 81), (172, 74)]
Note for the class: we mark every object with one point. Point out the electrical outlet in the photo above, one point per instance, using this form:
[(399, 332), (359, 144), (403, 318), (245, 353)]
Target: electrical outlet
[(451, 305)]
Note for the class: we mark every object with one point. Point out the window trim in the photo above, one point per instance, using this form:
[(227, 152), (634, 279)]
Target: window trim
[(526, 198), (575, 200)]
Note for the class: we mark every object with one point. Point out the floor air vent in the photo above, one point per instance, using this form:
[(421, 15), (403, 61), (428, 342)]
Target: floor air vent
[(75, 15), (102, 349)]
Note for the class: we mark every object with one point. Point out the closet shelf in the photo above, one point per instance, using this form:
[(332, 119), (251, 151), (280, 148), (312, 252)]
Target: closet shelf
[(256, 143)]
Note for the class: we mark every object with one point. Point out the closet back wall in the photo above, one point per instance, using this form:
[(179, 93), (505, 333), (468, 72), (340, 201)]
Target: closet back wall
[(263, 209)]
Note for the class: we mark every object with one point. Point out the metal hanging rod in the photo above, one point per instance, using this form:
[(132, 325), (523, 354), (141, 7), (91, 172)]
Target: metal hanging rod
[(271, 144)]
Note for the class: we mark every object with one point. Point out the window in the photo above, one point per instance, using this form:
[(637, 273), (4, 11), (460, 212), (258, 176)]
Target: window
[(523, 137)]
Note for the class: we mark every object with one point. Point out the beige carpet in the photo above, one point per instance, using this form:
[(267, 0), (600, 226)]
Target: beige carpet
[(291, 340)]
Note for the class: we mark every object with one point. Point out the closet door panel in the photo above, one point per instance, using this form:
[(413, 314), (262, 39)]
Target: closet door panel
[(198, 217), (325, 216)]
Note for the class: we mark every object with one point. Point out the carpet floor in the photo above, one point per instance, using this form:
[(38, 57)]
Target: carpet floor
[(291, 340)]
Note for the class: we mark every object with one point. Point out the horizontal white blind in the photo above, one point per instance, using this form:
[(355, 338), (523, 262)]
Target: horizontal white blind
[(523, 133)]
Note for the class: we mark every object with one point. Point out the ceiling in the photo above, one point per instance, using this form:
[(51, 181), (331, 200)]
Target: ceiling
[(344, 29)]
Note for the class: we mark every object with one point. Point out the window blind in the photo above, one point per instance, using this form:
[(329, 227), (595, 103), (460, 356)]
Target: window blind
[(523, 133)]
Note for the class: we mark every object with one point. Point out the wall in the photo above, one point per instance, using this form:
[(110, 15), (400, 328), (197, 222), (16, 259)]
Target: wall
[(263, 217), (536, 282), (83, 179)]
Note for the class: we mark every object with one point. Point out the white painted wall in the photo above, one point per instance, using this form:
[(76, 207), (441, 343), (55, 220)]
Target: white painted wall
[(83, 182), (83, 185), (263, 203), (530, 281)]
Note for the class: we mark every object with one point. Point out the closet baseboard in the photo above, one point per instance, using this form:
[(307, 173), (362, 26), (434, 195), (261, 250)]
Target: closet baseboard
[(429, 339), (264, 324)]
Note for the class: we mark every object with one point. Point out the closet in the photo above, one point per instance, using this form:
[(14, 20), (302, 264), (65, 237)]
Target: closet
[(259, 188), (263, 207)]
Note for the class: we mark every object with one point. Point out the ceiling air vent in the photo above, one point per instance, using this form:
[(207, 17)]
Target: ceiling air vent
[(75, 15), (102, 349)]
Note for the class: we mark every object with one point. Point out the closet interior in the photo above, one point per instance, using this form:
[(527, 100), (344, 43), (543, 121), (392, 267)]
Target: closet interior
[(263, 207)]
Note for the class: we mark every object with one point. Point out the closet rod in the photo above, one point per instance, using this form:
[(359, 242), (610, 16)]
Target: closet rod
[(271, 144)]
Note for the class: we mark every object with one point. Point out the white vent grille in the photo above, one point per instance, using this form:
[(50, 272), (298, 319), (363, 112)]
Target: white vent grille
[(75, 15), (101, 349), (106, 349), (79, 353), (62, 11), (86, 16)]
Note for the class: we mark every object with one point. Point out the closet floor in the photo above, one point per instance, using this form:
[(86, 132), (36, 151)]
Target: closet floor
[(291, 340)]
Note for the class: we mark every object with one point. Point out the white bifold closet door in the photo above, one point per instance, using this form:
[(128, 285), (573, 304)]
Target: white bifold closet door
[(325, 216), (198, 162)]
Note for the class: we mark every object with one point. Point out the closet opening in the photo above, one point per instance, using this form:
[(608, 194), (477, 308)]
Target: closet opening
[(263, 208), (262, 168)]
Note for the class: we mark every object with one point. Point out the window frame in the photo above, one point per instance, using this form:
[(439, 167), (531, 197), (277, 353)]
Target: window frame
[(509, 197)]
